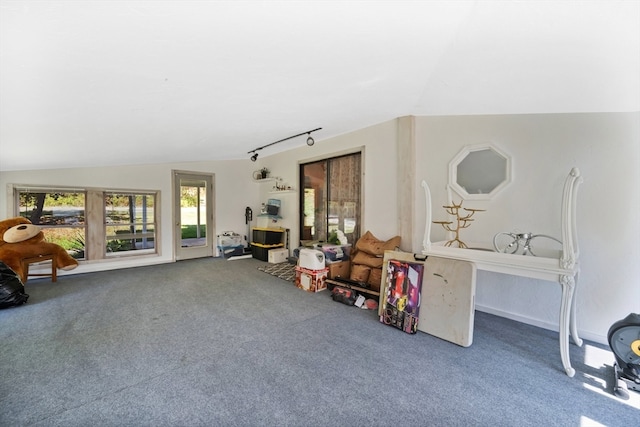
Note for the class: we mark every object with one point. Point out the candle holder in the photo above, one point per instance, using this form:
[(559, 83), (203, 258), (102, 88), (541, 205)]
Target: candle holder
[(462, 220)]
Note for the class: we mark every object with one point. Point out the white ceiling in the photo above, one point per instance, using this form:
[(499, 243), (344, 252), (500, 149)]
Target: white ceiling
[(89, 83)]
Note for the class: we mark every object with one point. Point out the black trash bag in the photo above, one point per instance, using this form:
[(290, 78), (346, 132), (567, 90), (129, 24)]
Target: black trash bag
[(11, 288)]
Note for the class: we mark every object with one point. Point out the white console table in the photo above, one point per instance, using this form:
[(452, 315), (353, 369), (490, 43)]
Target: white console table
[(562, 269)]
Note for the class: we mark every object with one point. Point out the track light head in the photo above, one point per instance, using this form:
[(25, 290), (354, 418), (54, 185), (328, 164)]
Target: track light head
[(310, 140), (254, 157)]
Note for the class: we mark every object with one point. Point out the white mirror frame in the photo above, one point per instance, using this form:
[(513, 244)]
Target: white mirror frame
[(453, 172)]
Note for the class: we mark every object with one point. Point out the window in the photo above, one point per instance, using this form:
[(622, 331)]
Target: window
[(330, 199), (59, 213), (130, 222), (92, 224)]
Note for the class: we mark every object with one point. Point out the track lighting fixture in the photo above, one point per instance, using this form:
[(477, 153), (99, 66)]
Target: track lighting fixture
[(310, 142)]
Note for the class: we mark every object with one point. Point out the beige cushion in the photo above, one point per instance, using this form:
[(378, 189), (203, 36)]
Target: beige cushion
[(372, 245), (375, 277), (364, 258)]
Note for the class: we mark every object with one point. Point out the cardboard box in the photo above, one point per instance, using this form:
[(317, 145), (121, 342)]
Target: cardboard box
[(311, 280), (401, 299), (339, 269), (276, 256)]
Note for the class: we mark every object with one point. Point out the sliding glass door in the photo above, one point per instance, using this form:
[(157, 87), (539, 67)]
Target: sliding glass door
[(330, 198)]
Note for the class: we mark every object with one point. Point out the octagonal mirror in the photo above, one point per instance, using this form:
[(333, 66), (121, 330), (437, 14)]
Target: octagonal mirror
[(479, 172)]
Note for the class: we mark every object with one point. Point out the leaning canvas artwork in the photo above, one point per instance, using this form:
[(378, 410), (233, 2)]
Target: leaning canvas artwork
[(402, 299)]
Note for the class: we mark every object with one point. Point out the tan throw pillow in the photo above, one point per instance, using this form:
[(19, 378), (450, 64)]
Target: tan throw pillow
[(368, 260), (375, 277), (372, 245)]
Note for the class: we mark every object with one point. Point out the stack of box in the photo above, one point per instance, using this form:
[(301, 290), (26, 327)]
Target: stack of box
[(337, 259), (265, 240), (311, 273)]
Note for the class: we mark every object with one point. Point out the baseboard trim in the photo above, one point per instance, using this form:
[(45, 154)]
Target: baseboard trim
[(585, 335), (237, 257)]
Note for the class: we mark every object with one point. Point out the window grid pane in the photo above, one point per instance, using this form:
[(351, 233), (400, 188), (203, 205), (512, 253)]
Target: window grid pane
[(130, 222), (59, 213)]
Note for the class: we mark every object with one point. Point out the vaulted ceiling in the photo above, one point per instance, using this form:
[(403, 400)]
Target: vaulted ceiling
[(89, 83)]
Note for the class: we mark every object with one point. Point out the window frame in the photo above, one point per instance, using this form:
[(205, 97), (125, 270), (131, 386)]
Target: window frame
[(18, 190), (360, 202), (130, 236), (95, 226)]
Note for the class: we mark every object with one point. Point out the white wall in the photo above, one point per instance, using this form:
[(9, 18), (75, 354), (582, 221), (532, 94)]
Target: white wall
[(606, 148), (234, 190), (544, 147), (378, 146)]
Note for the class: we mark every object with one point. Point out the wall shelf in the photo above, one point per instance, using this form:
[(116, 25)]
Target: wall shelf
[(277, 180), (282, 191)]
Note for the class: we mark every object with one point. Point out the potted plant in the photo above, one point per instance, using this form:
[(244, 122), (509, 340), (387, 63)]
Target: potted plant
[(264, 173)]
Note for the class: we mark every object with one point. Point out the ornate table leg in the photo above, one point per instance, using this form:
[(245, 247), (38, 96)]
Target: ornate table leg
[(568, 285), (573, 324)]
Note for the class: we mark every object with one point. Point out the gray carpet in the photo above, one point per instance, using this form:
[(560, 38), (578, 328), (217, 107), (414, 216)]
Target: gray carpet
[(217, 343)]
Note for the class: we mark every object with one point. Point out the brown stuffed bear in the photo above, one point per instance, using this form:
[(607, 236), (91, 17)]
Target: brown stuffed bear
[(19, 240)]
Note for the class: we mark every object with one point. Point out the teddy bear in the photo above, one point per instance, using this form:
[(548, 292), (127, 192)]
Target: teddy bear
[(20, 239)]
